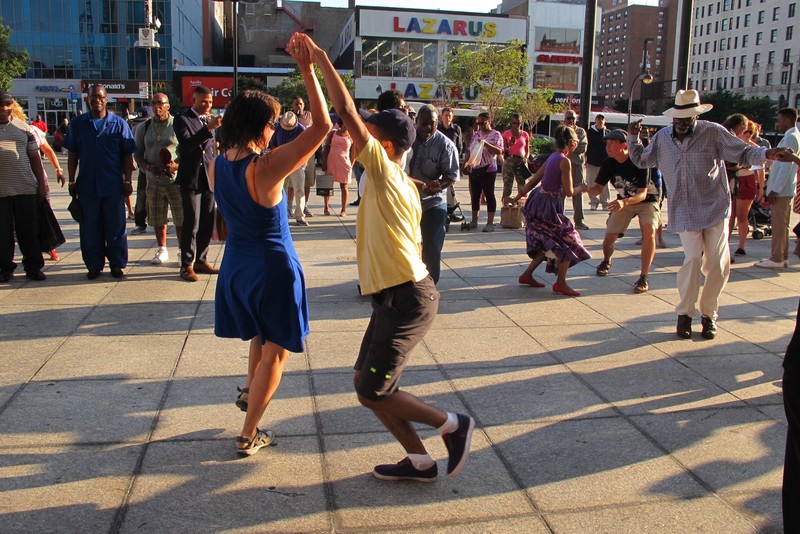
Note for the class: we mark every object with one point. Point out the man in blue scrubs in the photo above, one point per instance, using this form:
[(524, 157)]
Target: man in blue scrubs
[(103, 145)]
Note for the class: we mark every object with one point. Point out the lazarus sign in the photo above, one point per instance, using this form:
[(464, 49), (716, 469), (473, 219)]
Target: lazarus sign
[(436, 26)]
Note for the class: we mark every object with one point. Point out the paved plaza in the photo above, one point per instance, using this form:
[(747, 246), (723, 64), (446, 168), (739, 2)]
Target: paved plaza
[(117, 414)]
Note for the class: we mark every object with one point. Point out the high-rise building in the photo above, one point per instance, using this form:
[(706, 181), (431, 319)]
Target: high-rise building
[(747, 47), (74, 43)]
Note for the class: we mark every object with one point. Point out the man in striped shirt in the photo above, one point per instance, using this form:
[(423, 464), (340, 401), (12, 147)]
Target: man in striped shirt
[(690, 155)]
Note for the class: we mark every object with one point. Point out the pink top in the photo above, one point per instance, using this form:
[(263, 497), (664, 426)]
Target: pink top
[(517, 146)]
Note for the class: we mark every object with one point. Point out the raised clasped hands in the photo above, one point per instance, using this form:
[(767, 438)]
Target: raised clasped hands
[(635, 127)]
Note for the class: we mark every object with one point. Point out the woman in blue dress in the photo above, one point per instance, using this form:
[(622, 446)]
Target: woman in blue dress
[(549, 234), (261, 293)]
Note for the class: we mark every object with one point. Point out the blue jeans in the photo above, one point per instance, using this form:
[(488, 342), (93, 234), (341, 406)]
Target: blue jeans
[(433, 227)]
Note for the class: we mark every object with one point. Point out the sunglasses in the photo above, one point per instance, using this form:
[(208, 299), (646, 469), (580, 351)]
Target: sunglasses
[(273, 124)]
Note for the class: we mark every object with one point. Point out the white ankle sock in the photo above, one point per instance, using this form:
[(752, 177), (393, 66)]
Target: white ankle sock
[(421, 461), (451, 425)]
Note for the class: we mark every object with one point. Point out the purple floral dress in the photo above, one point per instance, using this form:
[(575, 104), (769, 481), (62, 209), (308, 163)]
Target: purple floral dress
[(546, 228)]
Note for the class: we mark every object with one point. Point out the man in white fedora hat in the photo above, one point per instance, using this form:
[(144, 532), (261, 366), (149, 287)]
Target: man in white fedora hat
[(689, 154)]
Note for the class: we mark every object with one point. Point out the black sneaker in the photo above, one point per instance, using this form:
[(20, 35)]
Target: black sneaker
[(709, 327), (458, 443), (36, 275), (405, 470), (116, 272), (740, 252), (93, 274), (684, 328)]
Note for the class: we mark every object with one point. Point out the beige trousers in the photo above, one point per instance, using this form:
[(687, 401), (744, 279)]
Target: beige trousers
[(781, 211), (706, 253)]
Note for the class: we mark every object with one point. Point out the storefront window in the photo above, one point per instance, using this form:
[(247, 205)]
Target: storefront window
[(398, 59), (555, 77), (559, 40)]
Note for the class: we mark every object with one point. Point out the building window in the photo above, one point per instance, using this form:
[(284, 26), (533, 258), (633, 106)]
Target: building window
[(784, 77), (769, 79), (759, 38), (791, 11), (773, 35), (722, 46), (771, 57), (789, 32), (741, 82), (745, 39), (747, 20), (786, 54), (559, 40), (396, 58), (742, 62), (776, 13), (724, 24), (761, 17), (754, 82)]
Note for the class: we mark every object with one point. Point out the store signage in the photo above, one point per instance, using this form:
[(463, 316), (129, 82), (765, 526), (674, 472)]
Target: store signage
[(366, 89), (548, 58), (443, 26), (114, 88), (437, 27), (48, 89)]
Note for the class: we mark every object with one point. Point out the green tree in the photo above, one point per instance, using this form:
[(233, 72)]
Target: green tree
[(532, 105), (760, 109), (12, 64), (496, 72)]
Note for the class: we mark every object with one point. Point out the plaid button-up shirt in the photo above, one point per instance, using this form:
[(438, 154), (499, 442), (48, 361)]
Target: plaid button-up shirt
[(694, 171)]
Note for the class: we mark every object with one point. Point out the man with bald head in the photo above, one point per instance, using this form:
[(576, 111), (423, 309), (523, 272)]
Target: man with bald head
[(154, 140), (433, 168)]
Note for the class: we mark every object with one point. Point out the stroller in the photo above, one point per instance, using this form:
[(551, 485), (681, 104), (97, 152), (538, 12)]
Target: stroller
[(759, 219), (454, 211)]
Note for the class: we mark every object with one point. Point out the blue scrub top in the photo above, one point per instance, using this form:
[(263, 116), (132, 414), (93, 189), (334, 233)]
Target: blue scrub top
[(100, 153)]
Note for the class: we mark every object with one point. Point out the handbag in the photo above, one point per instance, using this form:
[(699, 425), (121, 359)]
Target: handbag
[(50, 234), (324, 185), (512, 217), (75, 209), (219, 232), (475, 154)]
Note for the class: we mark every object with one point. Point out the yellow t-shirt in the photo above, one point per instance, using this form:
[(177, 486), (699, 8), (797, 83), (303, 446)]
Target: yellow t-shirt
[(388, 219)]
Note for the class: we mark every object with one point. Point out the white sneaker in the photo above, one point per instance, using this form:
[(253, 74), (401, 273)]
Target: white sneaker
[(162, 255), (769, 264)]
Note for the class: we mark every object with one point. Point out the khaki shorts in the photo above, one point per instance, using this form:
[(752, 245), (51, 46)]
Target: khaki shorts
[(648, 213)]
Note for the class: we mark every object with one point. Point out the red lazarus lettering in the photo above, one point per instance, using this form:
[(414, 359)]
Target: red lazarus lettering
[(397, 27), (459, 27)]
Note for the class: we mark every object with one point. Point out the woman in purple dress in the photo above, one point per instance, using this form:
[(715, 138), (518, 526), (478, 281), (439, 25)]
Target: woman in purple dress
[(549, 234)]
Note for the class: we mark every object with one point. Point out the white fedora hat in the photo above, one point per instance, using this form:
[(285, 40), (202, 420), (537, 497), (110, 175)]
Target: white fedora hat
[(687, 104), (289, 121)]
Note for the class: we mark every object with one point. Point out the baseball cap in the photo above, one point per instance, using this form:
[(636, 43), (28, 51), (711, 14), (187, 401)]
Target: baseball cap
[(600, 116), (395, 124), (617, 135), (289, 121), (6, 98), (145, 112)]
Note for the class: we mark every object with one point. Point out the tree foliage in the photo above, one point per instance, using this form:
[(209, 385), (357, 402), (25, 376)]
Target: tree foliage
[(495, 72), (760, 109), (532, 105), (293, 86), (12, 64)]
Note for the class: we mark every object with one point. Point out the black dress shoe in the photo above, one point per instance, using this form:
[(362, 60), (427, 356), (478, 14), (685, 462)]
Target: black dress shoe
[(37, 275), (93, 274), (709, 327), (116, 272), (684, 329), (356, 202)]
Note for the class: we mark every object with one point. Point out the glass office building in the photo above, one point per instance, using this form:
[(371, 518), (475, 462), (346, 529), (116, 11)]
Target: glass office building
[(74, 43)]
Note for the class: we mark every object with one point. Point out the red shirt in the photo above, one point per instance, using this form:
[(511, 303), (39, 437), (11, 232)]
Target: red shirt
[(519, 145), (40, 124)]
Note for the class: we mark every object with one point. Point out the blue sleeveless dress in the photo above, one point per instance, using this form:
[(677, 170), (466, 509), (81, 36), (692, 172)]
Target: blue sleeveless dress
[(261, 288)]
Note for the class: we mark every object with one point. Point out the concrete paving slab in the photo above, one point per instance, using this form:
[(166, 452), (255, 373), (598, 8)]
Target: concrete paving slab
[(161, 288), (142, 318), (204, 409), (486, 347), (23, 358), (755, 377), (203, 486), (760, 508), (120, 357), (63, 294), (638, 381), (621, 308), (64, 489), (540, 394), (467, 314), (586, 341), (705, 514), (590, 463), (781, 305), (452, 287), (731, 450), (28, 322), (769, 333), (72, 412), (483, 491), (662, 336), (549, 309), (340, 317)]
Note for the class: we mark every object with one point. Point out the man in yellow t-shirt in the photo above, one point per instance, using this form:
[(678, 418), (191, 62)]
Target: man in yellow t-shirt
[(404, 297)]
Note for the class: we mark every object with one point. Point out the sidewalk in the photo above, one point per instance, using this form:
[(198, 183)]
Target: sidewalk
[(117, 414)]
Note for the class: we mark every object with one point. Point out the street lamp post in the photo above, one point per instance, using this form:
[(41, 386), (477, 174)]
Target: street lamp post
[(644, 76), (147, 40), (235, 37)]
